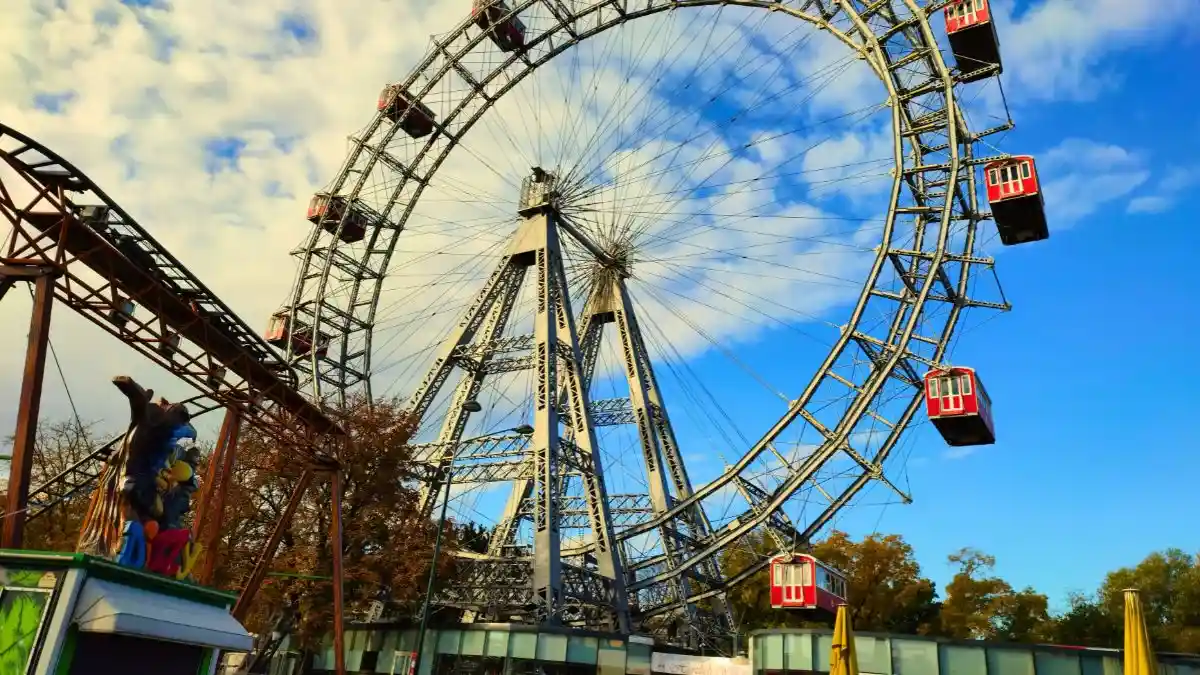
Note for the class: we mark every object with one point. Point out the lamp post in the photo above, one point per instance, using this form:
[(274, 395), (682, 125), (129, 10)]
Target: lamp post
[(524, 430)]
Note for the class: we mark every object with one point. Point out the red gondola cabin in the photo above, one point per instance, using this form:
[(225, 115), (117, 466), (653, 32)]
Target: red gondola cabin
[(800, 581), (302, 343), (330, 209), (959, 406), (394, 102), (1015, 195), (973, 39), (492, 17)]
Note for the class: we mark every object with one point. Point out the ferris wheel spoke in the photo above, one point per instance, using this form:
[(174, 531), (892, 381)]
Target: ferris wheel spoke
[(633, 173), (711, 207), (621, 139)]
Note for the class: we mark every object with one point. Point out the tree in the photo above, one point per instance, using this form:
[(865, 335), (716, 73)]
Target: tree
[(750, 601), (986, 607), (885, 589), (884, 584), (58, 446), (1169, 584), (386, 542), (1087, 623)]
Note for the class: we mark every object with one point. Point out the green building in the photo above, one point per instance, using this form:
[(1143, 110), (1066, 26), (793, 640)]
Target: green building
[(478, 649), (804, 651), (72, 614)]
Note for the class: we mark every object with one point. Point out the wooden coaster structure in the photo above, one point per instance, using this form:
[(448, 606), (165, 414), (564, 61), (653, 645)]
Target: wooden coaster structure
[(76, 245)]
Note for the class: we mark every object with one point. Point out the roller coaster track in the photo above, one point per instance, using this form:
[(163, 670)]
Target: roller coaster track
[(102, 260), (106, 259)]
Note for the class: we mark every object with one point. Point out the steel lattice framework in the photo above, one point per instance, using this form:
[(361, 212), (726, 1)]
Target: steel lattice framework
[(338, 287), (97, 261)]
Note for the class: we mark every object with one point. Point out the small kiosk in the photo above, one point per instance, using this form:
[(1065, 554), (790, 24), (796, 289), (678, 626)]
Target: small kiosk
[(71, 614)]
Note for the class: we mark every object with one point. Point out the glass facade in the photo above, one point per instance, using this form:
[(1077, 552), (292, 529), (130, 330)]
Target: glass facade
[(805, 651), (483, 649)]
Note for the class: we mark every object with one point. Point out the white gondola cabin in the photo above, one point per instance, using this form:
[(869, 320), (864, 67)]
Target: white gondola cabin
[(492, 17), (973, 39), (323, 207), (394, 102), (1015, 195), (278, 334), (800, 581), (959, 407)]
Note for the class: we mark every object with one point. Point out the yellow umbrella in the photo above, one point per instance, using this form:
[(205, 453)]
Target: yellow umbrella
[(1139, 658), (842, 659)]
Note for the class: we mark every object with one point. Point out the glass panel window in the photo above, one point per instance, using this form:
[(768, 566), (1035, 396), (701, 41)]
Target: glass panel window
[(806, 576), (963, 660), (797, 652), (1026, 171), (874, 654), (993, 177), (1050, 663), (1006, 661), (965, 380), (949, 386), (912, 657), (778, 572), (933, 387), (581, 649)]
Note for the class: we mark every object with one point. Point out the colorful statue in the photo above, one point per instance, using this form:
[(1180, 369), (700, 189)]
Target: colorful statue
[(156, 471)]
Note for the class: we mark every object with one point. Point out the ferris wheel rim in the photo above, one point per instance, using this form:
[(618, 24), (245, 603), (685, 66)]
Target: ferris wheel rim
[(959, 150)]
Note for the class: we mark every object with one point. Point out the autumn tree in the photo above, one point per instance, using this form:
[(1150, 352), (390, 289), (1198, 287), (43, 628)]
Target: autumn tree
[(750, 601), (386, 543), (979, 605), (1169, 585), (57, 447), (1087, 623), (885, 589), (884, 586)]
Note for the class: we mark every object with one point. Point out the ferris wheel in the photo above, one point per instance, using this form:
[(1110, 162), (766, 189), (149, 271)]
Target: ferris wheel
[(599, 248)]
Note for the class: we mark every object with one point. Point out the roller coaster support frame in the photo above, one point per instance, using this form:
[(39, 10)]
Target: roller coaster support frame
[(211, 512), (263, 564), (28, 408)]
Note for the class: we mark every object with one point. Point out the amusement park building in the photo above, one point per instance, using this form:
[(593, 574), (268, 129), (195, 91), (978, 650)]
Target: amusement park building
[(504, 649), (805, 651)]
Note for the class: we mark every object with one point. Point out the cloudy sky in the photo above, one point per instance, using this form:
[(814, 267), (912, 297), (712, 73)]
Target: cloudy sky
[(213, 123)]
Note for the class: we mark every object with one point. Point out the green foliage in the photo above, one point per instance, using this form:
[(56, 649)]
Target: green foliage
[(20, 616), (1169, 584), (888, 593)]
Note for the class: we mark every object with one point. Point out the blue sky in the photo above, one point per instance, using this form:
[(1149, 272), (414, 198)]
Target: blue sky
[(223, 120), (1092, 466)]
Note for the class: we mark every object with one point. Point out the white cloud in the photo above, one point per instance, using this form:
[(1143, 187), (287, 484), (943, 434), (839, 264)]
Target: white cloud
[(212, 123), (1068, 49), (1165, 192), (1080, 176)]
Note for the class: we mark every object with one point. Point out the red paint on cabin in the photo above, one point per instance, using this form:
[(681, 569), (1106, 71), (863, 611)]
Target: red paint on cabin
[(965, 14), (278, 334), (800, 581), (394, 102), (959, 407), (490, 15), (328, 210), (1011, 178)]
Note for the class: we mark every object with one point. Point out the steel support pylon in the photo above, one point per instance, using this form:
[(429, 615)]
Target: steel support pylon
[(543, 586), (584, 585)]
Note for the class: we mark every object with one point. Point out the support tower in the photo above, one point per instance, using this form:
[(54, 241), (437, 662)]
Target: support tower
[(586, 584)]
